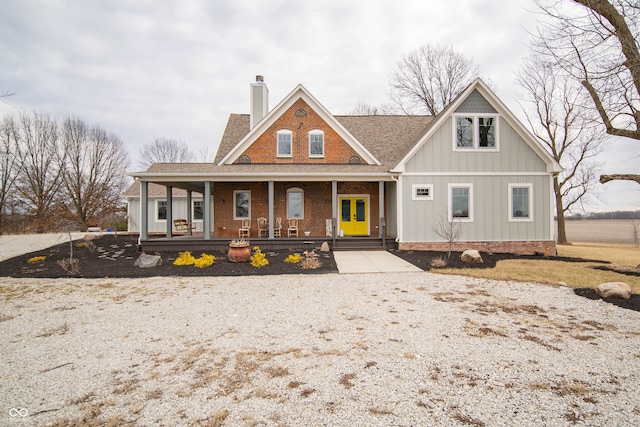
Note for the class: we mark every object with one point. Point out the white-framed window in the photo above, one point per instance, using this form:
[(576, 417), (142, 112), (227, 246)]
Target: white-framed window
[(285, 137), (241, 204), (161, 210), (316, 143), (295, 203), (475, 132), (521, 202), (422, 191), (461, 202), (197, 210)]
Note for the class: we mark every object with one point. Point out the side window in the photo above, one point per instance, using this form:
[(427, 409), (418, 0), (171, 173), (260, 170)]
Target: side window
[(316, 143), (295, 203), (520, 202), (284, 143), (461, 202), (241, 204), (422, 192), (197, 210), (161, 210)]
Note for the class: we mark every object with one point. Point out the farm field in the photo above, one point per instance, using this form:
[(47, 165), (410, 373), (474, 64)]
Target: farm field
[(602, 231)]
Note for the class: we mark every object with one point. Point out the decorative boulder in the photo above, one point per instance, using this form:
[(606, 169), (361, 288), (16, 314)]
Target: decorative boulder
[(614, 290), (146, 261), (324, 247), (471, 256)]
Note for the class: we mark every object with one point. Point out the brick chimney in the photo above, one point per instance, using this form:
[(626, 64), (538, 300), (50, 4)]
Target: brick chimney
[(259, 101)]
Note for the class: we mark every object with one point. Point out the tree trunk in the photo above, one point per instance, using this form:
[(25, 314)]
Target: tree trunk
[(619, 177), (562, 232)]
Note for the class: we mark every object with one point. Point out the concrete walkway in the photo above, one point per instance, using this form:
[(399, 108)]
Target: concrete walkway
[(371, 262)]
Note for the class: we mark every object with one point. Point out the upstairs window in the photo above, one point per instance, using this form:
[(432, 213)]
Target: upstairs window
[(284, 143), (475, 132), (316, 143)]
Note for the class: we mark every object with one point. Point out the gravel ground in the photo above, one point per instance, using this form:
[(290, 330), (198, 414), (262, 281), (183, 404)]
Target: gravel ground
[(361, 349)]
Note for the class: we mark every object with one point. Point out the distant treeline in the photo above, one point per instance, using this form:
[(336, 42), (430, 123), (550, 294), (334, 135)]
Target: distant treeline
[(605, 215)]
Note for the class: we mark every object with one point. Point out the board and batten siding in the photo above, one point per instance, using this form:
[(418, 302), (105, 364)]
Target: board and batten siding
[(159, 226), (489, 205), (513, 155)]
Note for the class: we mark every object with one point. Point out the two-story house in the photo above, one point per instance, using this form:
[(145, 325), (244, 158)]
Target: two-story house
[(342, 177)]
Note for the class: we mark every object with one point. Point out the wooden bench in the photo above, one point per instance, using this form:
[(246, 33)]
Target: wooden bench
[(183, 225)]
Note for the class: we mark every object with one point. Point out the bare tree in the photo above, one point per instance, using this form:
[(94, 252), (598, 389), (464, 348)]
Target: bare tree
[(364, 109), (163, 150), (94, 177), (429, 78), (558, 117), (9, 165), (596, 41), (42, 158), (449, 230)]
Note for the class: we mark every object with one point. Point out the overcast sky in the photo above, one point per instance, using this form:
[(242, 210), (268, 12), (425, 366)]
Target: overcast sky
[(145, 69)]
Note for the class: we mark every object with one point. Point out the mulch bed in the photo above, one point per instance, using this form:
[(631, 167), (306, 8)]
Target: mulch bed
[(115, 255)]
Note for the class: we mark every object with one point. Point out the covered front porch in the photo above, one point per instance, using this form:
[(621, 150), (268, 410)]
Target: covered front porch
[(343, 212)]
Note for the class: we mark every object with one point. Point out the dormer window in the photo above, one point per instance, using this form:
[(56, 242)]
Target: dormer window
[(284, 143), (316, 143), (475, 132)]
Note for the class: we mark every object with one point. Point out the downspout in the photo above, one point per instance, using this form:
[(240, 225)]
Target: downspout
[(398, 181)]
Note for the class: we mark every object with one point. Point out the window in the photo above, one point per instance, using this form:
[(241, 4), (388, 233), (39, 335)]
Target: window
[(161, 210), (422, 192), (520, 202), (316, 143), (241, 204), (476, 132), (460, 202), (284, 143), (198, 210), (295, 203)]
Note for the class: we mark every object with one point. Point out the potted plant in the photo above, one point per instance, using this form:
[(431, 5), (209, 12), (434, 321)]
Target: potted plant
[(239, 251)]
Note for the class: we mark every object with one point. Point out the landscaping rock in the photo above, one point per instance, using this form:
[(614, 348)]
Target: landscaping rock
[(471, 256), (89, 237), (324, 247), (146, 261), (614, 290)]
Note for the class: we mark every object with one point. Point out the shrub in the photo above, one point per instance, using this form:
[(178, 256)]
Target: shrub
[(293, 258), (258, 259), (204, 261), (184, 258), (310, 263), (438, 262), (36, 259)]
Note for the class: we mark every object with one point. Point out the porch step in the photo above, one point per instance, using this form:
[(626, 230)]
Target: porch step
[(363, 245)]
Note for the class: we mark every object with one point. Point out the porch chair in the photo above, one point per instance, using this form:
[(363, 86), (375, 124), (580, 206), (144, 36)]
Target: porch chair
[(245, 228), (293, 227), (277, 230), (263, 227)]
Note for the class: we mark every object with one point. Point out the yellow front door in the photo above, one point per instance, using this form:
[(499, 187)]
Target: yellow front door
[(354, 215)]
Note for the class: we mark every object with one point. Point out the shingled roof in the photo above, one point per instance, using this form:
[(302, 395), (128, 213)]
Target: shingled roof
[(387, 137)]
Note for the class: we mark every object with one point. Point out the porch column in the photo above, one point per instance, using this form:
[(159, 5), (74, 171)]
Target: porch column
[(189, 213), (144, 210), (169, 211), (334, 209), (381, 207), (206, 210), (271, 197)]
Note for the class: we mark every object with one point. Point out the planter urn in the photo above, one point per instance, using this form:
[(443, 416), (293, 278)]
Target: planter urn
[(239, 251)]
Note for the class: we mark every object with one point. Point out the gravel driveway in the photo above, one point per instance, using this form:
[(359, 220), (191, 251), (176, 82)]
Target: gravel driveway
[(361, 349)]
